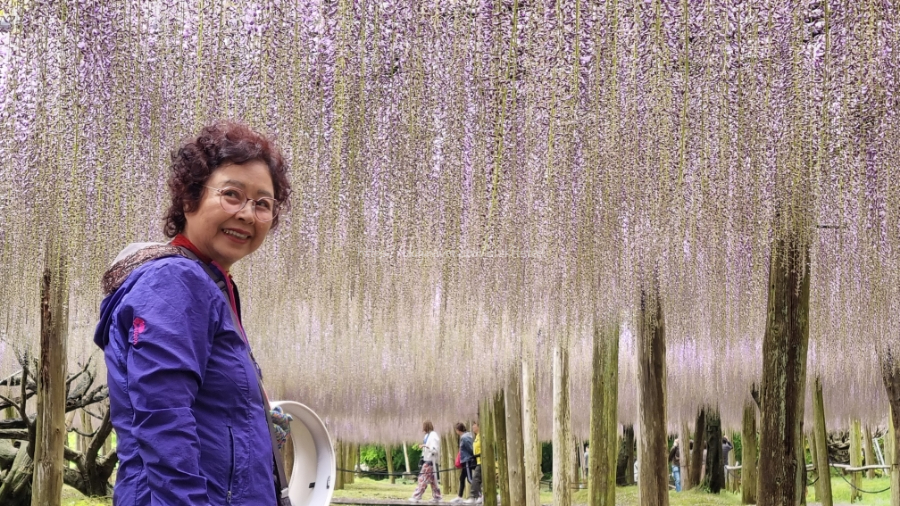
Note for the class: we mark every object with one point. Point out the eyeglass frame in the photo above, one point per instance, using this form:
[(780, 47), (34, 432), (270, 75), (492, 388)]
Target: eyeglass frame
[(275, 207)]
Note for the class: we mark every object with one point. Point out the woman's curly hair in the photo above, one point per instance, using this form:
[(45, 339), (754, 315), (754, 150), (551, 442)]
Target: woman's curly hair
[(218, 144)]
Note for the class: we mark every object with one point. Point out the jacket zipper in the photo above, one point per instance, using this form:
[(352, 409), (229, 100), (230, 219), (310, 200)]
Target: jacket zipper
[(231, 472)]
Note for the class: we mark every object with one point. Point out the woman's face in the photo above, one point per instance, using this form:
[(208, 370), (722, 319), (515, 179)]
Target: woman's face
[(228, 237)]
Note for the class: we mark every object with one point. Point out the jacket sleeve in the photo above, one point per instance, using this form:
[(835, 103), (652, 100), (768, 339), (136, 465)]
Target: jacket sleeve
[(170, 341)]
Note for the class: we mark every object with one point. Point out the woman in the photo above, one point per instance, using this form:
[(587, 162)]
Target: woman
[(466, 459), (185, 397), (430, 454)]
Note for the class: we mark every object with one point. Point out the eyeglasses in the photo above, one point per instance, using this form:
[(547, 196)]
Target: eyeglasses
[(234, 199)]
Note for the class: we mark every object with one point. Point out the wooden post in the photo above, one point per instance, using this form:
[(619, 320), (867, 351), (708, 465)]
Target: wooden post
[(488, 467), (515, 441), (871, 459), (562, 427), (856, 457), (339, 457), (449, 480), (820, 438), (388, 455), (749, 445), (684, 450), (406, 460), (530, 433), (895, 449), (653, 483), (604, 425), (697, 463), (500, 438), (50, 423), (785, 345)]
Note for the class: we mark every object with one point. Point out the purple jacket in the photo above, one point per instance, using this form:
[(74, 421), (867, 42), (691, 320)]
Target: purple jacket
[(184, 395)]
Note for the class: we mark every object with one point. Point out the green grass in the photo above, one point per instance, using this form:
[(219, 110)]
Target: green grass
[(625, 496)]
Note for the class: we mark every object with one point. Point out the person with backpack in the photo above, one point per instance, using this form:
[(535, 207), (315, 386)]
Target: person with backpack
[(185, 392), (465, 460), (428, 470)]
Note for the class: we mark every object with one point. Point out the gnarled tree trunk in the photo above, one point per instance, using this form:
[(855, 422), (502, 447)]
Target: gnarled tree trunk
[(654, 476), (697, 452), (715, 465), (785, 347), (50, 424)]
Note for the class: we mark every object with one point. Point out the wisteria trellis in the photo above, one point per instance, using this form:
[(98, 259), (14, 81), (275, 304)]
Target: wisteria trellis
[(474, 179)]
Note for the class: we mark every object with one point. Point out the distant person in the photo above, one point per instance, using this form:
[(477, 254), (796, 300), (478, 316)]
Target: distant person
[(675, 461), (726, 449), (466, 458), (587, 458), (428, 472), (475, 492)]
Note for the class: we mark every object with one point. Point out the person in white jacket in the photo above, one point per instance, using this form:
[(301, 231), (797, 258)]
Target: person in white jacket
[(431, 452)]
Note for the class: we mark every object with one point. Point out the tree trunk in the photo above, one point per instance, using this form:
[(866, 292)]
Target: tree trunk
[(820, 437), (630, 453), (684, 449), (604, 425), (50, 435), (339, 457), (785, 346), (697, 452), (715, 466), (856, 457), (406, 459), (389, 457), (530, 434), (749, 445), (515, 441), (562, 427), (654, 477), (871, 459), (488, 462), (500, 438)]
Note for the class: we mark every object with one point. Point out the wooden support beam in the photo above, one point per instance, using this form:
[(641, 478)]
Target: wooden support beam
[(406, 458), (515, 440), (820, 437), (869, 450), (50, 424), (856, 459), (532, 455), (783, 388), (389, 457), (604, 425), (488, 461), (562, 427), (651, 354), (501, 448), (749, 444), (684, 441)]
